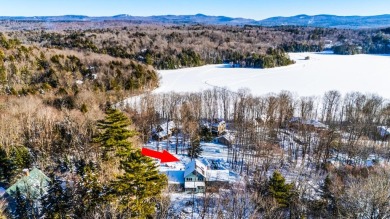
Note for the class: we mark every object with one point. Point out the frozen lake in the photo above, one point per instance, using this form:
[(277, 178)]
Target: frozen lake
[(323, 72)]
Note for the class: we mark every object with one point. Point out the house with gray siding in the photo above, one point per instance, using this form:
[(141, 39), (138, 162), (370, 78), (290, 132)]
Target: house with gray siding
[(195, 176)]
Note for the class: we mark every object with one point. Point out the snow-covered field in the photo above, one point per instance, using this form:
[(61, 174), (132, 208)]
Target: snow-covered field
[(323, 72)]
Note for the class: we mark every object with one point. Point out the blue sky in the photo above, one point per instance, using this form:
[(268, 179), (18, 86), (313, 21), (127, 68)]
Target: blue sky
[(256, 9)]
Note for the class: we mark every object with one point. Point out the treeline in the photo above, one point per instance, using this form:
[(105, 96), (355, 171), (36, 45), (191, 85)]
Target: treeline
[(302, 47), (272, 58), (377, 42), (171, 47)]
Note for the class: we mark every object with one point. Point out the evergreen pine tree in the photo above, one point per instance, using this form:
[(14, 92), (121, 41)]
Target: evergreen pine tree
[(95, 192), (21, 157), (195, 149), (88, 193), (57, 202), (115, 133), (280, 190), (326, 188), (21, 206), (140, 182), (7, 167), (205, 133)]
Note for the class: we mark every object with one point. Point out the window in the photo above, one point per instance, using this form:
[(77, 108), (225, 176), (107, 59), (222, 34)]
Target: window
[(189, 179), (190, 189), (200, 178)]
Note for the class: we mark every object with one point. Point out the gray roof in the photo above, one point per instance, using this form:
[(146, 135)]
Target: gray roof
[(311, 122), (315, 123), (228, 136), (195, 165), (165, 132), (216, 124)]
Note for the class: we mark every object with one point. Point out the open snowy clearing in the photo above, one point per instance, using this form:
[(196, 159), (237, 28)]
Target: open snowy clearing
[(323, 72)]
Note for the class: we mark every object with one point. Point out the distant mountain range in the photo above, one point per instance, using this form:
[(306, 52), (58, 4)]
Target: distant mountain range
[(332, 21)]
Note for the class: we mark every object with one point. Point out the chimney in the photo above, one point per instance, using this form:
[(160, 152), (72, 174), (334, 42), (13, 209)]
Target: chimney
[(26, 172)]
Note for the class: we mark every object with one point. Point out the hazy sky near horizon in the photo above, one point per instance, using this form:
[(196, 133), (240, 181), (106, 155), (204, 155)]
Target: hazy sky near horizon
[(255, 9)]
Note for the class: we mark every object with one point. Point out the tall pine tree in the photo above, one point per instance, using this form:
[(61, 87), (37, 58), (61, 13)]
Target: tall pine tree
[(115, 134), (7, 167), (22, 208), (280, 190), (139, 185), (195, 149), (57, 202), (140, 182)]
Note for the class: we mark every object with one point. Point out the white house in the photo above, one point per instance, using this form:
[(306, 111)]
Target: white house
[(164, 130)]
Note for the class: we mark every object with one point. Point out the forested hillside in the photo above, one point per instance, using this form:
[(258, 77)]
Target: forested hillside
[(171, 47), (174, 47), (55, 111)]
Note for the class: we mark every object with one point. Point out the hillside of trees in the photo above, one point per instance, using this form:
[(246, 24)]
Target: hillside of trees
[(55, 111), (171, 47)]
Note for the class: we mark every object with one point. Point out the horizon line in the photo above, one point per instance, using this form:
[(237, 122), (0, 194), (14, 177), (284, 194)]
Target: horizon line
[(197, 14)]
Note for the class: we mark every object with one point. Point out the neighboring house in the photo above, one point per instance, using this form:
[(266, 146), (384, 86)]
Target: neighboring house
[(315, 124), (384, 131), (194, 176), (33, 185), (218, 128), (311, 124), (227, 139), (164, 130)]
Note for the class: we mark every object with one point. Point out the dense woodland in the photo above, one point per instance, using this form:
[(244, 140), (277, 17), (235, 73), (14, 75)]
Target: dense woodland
[(170, 47), (58, 89)]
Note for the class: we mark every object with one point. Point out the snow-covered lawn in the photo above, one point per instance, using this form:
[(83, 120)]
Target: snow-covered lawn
[(323, 72)]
